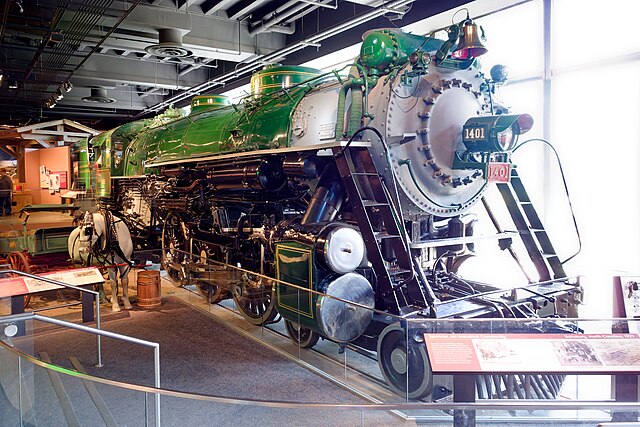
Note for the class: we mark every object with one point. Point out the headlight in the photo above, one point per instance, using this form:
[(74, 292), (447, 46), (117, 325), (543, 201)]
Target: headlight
[(490, 134)]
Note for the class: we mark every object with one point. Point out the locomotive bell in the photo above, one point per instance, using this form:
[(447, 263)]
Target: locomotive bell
[(469, 44)]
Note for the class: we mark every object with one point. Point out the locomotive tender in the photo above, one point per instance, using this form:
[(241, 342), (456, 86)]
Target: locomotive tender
[(355, 186)]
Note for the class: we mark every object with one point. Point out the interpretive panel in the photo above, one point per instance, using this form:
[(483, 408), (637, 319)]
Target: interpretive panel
[(535, 353), (12, 286)]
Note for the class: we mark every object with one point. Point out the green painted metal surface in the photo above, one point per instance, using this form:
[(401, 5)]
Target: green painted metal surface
[(260, 123), (295, 265), (382, 50), (100, 161), (276, 77), (121, 137), (84, 171), (208, 102)]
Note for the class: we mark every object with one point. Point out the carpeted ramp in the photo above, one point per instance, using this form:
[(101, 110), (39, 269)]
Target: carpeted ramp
[(199, 354)]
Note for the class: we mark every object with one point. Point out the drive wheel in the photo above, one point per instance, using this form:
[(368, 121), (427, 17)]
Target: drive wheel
[(256, 303), (300, 335), (20, 262), (174, 248), (405, 368), (207, 256)]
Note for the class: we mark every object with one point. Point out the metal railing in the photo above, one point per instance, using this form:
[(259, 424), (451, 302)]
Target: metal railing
[(492, 404), (7, 320), (96, 297)]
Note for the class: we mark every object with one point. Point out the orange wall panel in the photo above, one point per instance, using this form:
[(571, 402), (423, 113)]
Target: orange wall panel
[(55, 159)]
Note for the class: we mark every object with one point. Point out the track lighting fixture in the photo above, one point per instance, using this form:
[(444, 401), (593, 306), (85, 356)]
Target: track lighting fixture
[(67, 86)]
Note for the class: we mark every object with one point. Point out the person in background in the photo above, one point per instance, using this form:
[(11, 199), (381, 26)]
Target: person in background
[(6, 192)]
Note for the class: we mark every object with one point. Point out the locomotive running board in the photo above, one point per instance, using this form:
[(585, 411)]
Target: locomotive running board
[(322, 150)]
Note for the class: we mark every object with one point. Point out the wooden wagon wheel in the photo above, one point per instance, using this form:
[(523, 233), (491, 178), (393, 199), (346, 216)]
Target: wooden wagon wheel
[(20, 262)]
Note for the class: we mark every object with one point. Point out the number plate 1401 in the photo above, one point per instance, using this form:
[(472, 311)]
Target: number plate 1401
[(499, 172)]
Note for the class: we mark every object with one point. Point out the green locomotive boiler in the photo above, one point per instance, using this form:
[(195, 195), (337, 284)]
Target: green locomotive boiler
[(349, 186)]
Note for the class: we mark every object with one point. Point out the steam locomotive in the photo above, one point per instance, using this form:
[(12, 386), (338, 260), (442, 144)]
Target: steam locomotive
[(354, 185)]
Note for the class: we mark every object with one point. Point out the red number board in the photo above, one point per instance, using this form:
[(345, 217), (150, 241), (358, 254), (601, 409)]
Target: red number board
[(499, 172)]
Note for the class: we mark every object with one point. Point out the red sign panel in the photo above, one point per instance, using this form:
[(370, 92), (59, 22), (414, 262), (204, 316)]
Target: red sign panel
[(539, 353), (499, 172)]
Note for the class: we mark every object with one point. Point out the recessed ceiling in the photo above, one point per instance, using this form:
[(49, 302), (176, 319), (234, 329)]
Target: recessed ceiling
[(144, 55)]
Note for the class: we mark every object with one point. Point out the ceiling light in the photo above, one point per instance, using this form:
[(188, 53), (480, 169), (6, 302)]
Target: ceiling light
[(58, 95), (1, 76), (13, 84), (67, 86)]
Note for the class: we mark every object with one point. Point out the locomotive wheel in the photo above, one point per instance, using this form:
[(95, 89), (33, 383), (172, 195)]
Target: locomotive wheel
[(256, 305), (304, 337), (20, 262), (174, 247), (397, 361), (211, 292), (205, 253)]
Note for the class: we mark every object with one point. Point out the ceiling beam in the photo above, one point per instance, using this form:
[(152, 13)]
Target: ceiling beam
[(10, 151), (209, 7), (44, 141), (242, 8), (323, 18), (113, 70)]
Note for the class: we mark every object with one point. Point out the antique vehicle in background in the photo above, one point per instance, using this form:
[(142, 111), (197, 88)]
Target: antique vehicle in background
[(355, 186)]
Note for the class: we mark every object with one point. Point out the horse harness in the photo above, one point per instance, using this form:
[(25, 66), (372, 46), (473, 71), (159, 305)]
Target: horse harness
[(106, 244)]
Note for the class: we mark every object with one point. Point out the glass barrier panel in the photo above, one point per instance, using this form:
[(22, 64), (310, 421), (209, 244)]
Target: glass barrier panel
[(14, 406), (179, 411), (393, 364)]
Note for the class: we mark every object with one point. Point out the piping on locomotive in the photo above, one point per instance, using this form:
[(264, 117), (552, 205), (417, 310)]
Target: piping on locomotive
[(353, 186)]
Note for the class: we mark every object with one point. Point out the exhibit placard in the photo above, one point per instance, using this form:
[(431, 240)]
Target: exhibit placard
[(12, 286), (533, 353)]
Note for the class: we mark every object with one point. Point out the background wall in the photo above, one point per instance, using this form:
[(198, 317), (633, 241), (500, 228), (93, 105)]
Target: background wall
[(55, 159)]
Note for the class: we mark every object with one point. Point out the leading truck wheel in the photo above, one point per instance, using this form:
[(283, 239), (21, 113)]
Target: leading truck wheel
[(174, 248), (405, 367), (304, 337)]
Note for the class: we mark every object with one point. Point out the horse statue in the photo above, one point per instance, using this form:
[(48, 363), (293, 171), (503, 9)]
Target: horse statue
[(104, 240)]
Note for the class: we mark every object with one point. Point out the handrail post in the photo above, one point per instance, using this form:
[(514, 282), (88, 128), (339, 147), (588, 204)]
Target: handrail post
[(20, 389), (156, 369), (97, 299)]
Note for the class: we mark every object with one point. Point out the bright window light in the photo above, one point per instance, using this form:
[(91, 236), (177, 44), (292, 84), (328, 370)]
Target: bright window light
[(600, 149), (514, 39), (589, 31)]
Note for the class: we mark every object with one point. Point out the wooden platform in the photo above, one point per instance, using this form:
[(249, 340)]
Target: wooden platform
[(37, 220)]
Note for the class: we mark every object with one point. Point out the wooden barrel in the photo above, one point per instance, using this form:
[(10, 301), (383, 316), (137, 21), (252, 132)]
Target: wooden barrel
[(149, 289)]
